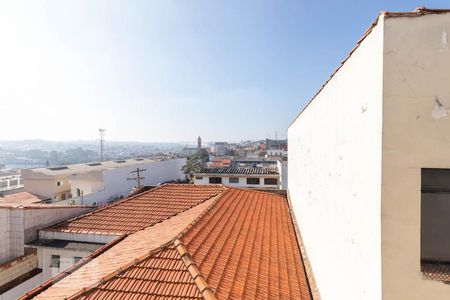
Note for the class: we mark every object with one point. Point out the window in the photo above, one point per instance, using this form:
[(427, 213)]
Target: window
[(78, 192), (233, 180), (13, 182), (198, 177), (252, 180), (76, 259), (435, 212), (58, 183), (215, 179), (55, 261), (3, 184), (270, 181)]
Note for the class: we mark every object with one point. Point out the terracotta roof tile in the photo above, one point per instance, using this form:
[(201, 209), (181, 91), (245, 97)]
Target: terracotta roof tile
[(246, 247), (240, 244), (140, 211)]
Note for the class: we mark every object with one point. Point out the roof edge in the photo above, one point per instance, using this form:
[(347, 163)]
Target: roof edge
[(312, 286), (420, 11), (47, 284)]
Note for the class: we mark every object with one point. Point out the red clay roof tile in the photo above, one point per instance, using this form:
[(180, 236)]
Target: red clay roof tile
[(141, 211), (240, 244)]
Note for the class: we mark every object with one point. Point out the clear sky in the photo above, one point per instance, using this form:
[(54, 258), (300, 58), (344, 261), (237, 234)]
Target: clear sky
[(167, 71)]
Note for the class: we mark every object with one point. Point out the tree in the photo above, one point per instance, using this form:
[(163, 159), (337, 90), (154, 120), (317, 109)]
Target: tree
[(193, 165)]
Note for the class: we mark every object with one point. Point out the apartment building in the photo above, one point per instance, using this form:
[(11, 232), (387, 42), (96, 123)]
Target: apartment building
[(10, 181), (369, 165), (98, 182)]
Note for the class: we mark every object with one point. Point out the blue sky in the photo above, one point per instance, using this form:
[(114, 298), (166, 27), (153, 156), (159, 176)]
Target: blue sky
[(166, 71)]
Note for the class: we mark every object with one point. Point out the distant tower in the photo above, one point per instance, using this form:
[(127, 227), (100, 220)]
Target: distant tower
[(102, 142), (199, 142)]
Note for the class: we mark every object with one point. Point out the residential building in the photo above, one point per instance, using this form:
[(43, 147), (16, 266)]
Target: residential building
[(220, 148), (276, 144), (250, 174), (369, 165), (97, 182), (10, 181), (199, 142), (255, 253), (20, 219)]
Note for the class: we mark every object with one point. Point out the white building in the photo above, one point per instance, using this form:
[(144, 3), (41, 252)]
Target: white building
[(10, 181), (94, 183), (249, 174), (19, 224), (369, 165)]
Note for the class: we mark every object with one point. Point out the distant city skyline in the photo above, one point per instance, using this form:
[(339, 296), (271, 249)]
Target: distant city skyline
[(168, 71)]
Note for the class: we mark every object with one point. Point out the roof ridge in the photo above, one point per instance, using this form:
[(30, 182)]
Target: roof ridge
[(205, 290), (120, 270)]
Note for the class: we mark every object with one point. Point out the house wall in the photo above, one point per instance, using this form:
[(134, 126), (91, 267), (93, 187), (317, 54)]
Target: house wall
[(416, 72), (44, 185), (66, 260), (115, 183), (242, 181), (18, 267), (335, 176)]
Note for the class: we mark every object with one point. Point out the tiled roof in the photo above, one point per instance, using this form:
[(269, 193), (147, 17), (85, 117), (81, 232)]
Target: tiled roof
[(246, 248), (240, 171), (140, 211), (238, 245), (163, 275)]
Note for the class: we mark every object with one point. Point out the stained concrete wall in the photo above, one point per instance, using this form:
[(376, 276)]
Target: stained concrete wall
[(416, 134), (335, 176)]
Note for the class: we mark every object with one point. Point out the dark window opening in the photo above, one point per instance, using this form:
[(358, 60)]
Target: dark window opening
[(76, 259), (252, 180), (233, 180), (270, 181), (435, 216), (55, 261), (215, 179), (198, 177)]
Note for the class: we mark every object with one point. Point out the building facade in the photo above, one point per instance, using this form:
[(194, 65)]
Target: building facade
[(360, 155), (95, 183)]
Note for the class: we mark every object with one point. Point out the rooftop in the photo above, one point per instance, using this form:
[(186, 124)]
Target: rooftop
[(91, 166), (240, 171), (240, 244), (21, 198), (140, 211)]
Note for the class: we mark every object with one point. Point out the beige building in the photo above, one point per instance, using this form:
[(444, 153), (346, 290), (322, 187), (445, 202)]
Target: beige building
[(369, 160)]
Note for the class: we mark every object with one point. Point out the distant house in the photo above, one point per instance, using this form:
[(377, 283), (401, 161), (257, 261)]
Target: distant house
[(250, 174), (97, 182), (10, 181)]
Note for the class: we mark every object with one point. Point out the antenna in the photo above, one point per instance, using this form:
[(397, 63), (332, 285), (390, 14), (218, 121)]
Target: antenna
[(102, 141), (138, 177)]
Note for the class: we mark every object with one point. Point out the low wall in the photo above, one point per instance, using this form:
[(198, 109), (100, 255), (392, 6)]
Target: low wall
[(18, 266)]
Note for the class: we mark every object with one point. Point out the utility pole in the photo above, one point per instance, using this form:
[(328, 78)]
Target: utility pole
[(102, 142), (138, 177)]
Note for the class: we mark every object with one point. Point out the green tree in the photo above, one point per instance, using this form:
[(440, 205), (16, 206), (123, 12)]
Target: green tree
[(193, 165)]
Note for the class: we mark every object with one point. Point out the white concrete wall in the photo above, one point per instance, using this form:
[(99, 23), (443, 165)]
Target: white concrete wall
[(416, 71), (5, 235), (115, 183), (66, 260), (335, 176), (78, 237), (38, 218), (242, 181)]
